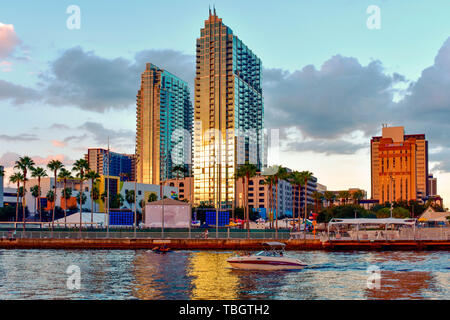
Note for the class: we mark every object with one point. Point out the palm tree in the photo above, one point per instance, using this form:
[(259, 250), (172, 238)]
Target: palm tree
[(54, 165), (65, 174), (35, 193), (306, 176), (66, 193), (81, 166), (16, 177), (104, 196), (39, 173), (317, 196), (358, 196), (281, 174), (82, 200), (95, 196), (270, 182), (24, 163), (329, 196), (246, 172), (51, 196), (298, 180), (94, 177)]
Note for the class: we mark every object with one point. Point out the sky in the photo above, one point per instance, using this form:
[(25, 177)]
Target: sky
[(330, 80)]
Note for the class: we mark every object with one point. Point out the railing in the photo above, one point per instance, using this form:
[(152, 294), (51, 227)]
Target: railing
[(442, 233), (19, 234), (418, 234)]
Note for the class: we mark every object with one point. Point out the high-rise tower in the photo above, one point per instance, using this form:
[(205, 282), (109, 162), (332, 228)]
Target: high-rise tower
[(399, 166), (228, 117), (164, 125)]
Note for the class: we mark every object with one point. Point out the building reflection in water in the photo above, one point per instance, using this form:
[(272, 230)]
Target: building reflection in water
[(160, 276), (211, 276), (402, 283)]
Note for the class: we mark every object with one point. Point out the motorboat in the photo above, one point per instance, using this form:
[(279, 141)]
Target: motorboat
[(272, 257), (161, 249)]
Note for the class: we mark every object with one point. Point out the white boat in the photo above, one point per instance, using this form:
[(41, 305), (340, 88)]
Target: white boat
[(271, 258)]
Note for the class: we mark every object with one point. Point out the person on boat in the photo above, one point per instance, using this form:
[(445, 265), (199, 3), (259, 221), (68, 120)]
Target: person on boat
[(206, 234)]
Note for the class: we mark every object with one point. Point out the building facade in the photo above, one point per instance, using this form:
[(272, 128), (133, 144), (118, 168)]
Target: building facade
[(185, 188), (120, 165), (1, 186), (399, 166), (164, 125), (432, 185), (228, 117)]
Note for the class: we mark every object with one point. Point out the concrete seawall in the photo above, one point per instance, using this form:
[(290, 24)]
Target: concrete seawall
[(221, 244)]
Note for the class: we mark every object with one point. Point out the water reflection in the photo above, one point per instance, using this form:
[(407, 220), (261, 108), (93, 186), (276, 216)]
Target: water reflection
[(109, 274), (211, 277)]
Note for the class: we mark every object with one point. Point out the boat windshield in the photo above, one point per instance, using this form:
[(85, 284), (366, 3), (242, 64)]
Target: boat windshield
[(261, 253)]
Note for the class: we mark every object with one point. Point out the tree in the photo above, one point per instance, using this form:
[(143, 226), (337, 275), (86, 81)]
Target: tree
[(281, 174), (317, 196), (54, 166), (24, 163), (35, 193), (81, 166), (129, 197), (152, 197), (82, 200), (39, 173), (16, 177), (94, 177), (306, 176), (246, 172), (50, 196), (65, 174), (296, 180), (358, 196), (269, 181), (329, 196)]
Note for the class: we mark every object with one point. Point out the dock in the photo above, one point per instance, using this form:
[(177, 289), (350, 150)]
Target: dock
[(220, 244)]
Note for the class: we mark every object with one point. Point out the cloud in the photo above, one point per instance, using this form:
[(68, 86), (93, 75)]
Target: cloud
[(8, 40), (82, 79), (100, 134), (17, 94), (341, 97), (58, 144), (18, 138), (8, 159), (327, 147)]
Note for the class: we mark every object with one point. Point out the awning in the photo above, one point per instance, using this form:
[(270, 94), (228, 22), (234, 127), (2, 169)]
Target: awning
[(336, 221)]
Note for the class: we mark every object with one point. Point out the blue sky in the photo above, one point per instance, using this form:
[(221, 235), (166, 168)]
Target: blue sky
[(287, 35)]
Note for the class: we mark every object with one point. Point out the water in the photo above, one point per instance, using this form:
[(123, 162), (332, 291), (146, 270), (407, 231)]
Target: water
[(115, 274)]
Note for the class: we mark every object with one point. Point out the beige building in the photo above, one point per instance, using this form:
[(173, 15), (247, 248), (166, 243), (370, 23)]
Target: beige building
[(399, 166), (185, 188)]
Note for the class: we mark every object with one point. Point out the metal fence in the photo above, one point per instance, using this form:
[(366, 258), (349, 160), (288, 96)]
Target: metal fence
[(142, 235), (442, 233), (418, 234)]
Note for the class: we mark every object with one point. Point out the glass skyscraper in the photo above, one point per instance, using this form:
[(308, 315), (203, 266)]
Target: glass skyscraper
[(228, 117), (164, 125)]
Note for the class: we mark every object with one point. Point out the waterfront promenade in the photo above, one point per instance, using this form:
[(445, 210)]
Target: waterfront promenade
[(438, 239)]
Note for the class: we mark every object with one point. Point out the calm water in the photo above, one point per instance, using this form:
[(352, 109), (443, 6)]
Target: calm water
[(114, 274)]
